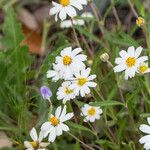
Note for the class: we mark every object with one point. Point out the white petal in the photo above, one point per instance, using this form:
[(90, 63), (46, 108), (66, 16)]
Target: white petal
[(131, 51), (145, 128), (33, 134), (138, 51), (70, 11), (66, 117), (119, 68), (58, 112), (64, 127), (52, 136)]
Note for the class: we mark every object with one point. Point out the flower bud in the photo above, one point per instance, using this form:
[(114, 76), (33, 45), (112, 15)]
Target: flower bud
[(140, 21), (104, 57)]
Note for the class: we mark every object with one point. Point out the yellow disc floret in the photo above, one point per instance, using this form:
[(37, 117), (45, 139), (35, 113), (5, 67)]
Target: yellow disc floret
[(130, 62), (68, 91), (54, 121), (35, 144), (67, 60), (82, 81), (143, 68), (91, 111), (140, 21), (64, 2)]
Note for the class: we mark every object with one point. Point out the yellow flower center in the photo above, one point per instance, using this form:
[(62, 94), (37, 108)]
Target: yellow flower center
[(143, 68), (67, 60), (64, 2), (140, 21), (82, 81), (54, 121), (91, 111), (35, 144), (68, 91), (130, 61)]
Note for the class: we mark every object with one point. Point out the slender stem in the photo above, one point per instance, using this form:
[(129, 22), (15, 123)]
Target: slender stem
[(132, 9), (84, 144), (75, 34), (51, 108)]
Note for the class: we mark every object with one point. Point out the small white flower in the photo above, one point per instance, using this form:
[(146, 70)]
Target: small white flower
[(87, 15), (37, 143), (69, 23), (55, 125), (82, 82), (129, 61), (143, 68), (66, 7), (91, 113), (65, 92), (145, 139), (70, 61), (54, 74)]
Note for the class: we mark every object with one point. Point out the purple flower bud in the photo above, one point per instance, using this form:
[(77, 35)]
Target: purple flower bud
[(46, 92)]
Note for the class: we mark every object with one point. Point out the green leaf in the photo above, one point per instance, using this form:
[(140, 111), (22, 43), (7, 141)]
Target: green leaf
[(107, 103), (11, 30), (80, 127)]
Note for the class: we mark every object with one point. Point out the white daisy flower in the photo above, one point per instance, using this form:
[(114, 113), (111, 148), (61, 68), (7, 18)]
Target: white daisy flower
[(91, 113), (65, 92), (54, 74), (143, 68), (70, 61), (55, 125), (69, 23), (66, 7), (37, 143), (129, 61), (82, 82), (145, 139)]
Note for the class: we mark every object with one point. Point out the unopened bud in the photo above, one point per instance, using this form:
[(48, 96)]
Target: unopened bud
[(90, 62), (140, 21), (104, 57)]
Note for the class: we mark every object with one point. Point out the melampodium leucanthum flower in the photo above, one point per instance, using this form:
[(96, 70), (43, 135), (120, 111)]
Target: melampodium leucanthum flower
[(143, 68), (145, 139), (46, 92), (91, 113), (37, 143), (69, 62), (65, 92), (82, 82), (66, 7), (55, 125), (129, 61)]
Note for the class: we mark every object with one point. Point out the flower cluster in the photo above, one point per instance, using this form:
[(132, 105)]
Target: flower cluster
[(70, 68), (131, 62)]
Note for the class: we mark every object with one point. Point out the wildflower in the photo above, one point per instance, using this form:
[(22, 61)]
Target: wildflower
[(145, 139), (65, 92), (91, 113), (104, 57), (37, 143), (46, 92), (140, 21), (69, 23), (55, 125), (66, 7), (129, 61), (82, 82), (143, 68), (70, 61), (54, 74)]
